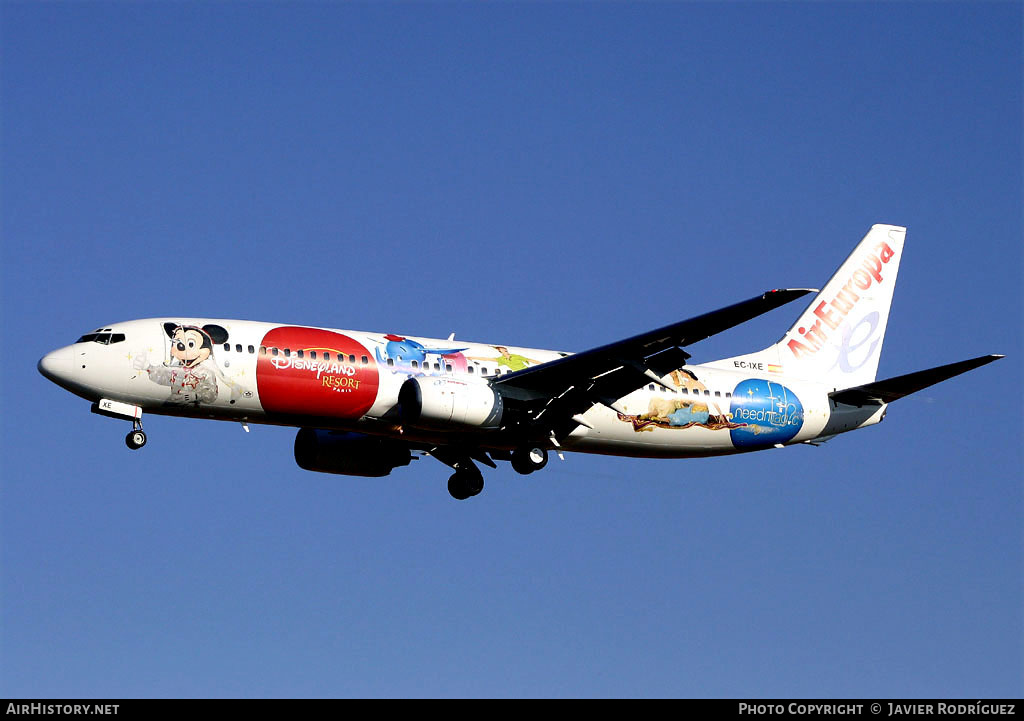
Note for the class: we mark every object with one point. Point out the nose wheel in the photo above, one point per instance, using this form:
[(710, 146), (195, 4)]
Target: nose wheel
[(136, 439)]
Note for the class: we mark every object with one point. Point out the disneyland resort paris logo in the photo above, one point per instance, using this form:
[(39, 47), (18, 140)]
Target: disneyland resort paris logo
[(331, 374)]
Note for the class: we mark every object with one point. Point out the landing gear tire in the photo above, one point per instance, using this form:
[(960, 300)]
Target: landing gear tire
[(136, 439), (465, 483), (528, 459)]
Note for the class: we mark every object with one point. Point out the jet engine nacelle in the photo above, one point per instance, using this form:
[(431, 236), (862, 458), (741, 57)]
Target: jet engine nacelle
[(349, 454), (433, 402)]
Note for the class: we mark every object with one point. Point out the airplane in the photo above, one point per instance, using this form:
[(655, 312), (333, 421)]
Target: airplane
[(368, 403)]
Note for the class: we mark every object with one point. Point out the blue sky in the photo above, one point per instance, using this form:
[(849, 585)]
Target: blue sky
[(554, 175)]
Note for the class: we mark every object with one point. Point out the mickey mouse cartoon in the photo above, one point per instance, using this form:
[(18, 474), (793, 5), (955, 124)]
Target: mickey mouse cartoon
[(191, 374)]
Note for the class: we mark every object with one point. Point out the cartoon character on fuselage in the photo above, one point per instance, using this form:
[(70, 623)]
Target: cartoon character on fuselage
[(191, 373), (512, 361), (403, 351), (680, 412)]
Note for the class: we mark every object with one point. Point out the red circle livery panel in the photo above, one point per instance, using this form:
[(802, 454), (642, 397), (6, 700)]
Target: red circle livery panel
[(317, 376)]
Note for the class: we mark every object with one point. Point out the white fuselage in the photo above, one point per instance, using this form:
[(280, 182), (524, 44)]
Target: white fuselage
[(258, 372)]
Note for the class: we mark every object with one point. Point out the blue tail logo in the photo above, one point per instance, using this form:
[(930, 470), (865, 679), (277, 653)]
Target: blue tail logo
[(768, 413)]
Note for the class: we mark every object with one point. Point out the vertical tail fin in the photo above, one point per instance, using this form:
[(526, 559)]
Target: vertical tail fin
[(838, 338)]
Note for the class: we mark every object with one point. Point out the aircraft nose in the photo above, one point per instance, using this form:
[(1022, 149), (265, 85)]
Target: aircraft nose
[(57, 365)]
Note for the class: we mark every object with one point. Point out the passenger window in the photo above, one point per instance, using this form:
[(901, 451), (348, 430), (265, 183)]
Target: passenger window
[(415, 364), (287, 353), (365, 360), (238, 347), (251, 350), (391, 361), (300, 353), (263, 350), (447, 368), (312, 355), (351, 359), (227, 347), (470, 370), (650, 386), (718, 394), (437, 367), (273, 351), (707, 393), (483, 371)]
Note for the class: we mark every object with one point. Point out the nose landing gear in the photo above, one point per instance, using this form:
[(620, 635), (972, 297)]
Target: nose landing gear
[(114, 409), (136, 439)]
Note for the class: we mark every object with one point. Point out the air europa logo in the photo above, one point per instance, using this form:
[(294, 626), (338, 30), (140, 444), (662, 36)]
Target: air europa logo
[(830, 314)]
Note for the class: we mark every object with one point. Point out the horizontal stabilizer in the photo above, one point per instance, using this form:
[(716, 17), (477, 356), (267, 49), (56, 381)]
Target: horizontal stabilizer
[(891, 389)]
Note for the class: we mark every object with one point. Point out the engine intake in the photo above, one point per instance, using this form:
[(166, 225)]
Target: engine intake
[(349, 454), (431, 402)]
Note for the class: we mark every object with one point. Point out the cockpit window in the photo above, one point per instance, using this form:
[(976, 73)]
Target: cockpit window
[(101, 338)]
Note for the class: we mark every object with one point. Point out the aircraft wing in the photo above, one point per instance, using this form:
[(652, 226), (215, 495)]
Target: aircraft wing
[(568, 386), (891, 389)]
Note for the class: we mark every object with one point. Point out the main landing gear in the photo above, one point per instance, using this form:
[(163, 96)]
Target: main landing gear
[(467, 481), (527, 459)]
